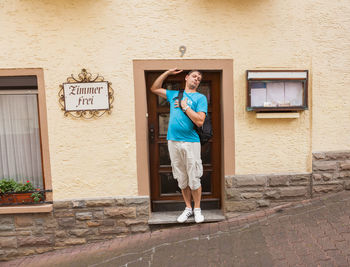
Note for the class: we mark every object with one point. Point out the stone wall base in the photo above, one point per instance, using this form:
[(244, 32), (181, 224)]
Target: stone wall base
[(330, 173), (72, 223), (245, 193), (77, 222)]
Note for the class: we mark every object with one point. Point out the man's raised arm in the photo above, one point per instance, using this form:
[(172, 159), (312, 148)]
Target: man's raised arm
[(156, 87)]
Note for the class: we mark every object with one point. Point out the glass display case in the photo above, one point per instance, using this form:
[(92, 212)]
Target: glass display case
[(277, 90)]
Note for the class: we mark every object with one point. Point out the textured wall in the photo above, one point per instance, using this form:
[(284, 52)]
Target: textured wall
[(97, 157)]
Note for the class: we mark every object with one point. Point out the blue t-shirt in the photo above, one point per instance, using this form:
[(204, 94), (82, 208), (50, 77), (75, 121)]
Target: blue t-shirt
[(180, 126)]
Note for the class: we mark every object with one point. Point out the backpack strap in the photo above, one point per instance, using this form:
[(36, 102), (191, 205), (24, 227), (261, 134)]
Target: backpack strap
[(204, 136), (179, 96)]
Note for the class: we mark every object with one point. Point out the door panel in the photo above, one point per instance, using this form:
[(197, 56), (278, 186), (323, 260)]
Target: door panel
[(164, 189)]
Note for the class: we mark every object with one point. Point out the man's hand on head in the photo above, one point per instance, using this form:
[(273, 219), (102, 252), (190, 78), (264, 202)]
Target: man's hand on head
[(174, 71), (156, 87)]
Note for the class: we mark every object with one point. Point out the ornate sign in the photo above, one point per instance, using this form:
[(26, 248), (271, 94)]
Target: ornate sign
[(86, 96)]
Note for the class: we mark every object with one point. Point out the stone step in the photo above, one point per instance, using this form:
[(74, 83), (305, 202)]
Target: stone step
[(169, 217)]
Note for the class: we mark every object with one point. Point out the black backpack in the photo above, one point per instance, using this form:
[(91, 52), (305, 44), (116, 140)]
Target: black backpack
[(205, 132)]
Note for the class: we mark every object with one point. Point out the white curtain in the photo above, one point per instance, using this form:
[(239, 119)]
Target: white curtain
[(20, 153)]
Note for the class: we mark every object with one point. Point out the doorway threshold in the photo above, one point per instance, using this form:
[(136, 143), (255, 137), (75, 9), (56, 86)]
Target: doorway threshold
[(169, 217)]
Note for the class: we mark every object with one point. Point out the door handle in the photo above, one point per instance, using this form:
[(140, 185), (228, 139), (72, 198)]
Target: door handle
[(151, 133)]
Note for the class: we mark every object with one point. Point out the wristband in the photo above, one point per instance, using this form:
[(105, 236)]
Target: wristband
[(186, 108)]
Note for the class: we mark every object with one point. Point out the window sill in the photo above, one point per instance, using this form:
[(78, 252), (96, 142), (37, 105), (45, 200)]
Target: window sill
[(44, 208), (281, 115)]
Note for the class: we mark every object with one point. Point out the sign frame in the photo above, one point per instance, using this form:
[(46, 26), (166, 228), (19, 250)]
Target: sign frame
[(85, 88)]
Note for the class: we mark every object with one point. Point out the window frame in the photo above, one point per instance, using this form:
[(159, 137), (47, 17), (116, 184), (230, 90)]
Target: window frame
[(43, 130)]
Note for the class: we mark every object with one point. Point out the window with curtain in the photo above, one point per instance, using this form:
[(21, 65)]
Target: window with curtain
[(20, 149)]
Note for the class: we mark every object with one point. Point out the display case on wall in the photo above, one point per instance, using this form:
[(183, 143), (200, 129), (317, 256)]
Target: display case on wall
[(277, 90)]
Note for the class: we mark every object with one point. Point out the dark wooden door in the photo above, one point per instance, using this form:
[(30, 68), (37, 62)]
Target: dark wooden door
[(165, 194)]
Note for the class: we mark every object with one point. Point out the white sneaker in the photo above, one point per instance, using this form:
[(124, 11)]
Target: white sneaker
[(198, 217), (185, 214)]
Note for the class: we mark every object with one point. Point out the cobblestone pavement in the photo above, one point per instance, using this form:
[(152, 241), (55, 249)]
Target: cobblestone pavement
[(310, 233)]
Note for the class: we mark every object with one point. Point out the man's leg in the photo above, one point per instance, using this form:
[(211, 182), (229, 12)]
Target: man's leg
[(180, 174), (179, 170), (196, 194), (186, 194), (198, 217), (195, 172)]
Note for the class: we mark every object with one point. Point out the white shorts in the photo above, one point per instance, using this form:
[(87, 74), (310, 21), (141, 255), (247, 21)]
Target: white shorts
[(186, 163)]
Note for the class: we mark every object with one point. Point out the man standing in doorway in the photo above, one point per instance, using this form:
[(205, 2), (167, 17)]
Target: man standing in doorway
[(183, 141)]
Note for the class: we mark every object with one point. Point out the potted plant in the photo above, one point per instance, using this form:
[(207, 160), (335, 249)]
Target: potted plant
[(17, 192)]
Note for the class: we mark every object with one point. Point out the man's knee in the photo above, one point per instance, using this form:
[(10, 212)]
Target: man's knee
[(195, 184), (182, 183)]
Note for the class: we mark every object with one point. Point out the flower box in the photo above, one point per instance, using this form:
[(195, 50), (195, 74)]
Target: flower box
[(12, 193), (16, 198)]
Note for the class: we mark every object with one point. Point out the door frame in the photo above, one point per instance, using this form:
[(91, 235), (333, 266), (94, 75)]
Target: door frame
[(227, 114)]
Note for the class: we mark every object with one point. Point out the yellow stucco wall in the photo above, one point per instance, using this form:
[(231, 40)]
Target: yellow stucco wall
[(95, 158)]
